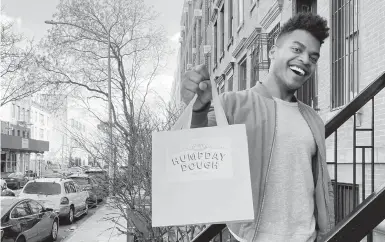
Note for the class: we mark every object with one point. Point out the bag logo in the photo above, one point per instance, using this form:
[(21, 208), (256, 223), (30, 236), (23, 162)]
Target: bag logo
[(201, 159)]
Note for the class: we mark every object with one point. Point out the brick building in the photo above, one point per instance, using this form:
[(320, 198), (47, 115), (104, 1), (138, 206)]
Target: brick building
[(233, 37)]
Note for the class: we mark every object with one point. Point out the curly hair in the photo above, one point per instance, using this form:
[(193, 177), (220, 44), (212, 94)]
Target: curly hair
[(313, 23)]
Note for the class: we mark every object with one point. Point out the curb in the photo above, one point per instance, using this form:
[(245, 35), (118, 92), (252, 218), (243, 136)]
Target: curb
[(67, 239)]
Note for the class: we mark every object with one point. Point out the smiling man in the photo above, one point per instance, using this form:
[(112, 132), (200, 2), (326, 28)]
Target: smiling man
[(292, 192)]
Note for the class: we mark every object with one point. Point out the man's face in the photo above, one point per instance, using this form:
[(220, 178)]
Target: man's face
[(294, 59)]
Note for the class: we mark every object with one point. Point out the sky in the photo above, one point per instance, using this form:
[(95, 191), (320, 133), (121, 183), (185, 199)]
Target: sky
[(31, 14)]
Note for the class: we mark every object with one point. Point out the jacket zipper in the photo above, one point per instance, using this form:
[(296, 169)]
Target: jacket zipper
[(323, 185), (267, 173)]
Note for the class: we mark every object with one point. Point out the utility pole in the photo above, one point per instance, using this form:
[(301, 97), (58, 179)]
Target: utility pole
[(111, 165)]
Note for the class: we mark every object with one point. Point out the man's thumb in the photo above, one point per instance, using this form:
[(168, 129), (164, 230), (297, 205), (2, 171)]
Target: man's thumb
[(204, 85)]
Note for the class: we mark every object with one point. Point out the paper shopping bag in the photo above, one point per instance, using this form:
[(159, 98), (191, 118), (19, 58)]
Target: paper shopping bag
[(201, 175)]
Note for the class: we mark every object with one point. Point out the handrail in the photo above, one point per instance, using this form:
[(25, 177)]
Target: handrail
[(209, 232), (372, 207), (356, 104), (331, 126)]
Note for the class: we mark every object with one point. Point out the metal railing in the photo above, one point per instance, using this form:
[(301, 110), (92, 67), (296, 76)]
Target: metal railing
[(348, 221)]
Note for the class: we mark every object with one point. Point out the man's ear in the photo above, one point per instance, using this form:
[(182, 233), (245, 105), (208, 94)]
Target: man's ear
[(272, 52)]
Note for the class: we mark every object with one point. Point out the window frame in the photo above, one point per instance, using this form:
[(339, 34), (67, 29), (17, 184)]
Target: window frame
[(242, 73), (241, 13), (20, 203), (30, 202)]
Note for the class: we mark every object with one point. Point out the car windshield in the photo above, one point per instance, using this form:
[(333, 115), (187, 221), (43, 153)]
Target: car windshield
[(81, 181), (15, 175), (43, 188)]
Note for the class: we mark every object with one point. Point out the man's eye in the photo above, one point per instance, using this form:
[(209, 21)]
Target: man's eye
[(313, 59), (296, 50)]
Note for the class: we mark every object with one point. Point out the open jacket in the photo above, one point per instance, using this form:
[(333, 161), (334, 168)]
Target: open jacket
[(256, 109)]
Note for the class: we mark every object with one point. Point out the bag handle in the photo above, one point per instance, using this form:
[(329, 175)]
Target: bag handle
[(184, 121)]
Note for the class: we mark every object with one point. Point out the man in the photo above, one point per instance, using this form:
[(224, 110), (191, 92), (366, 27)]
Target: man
[(292, 192)]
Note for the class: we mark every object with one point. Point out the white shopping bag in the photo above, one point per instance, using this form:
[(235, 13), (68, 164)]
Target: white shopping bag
[(202, 175)]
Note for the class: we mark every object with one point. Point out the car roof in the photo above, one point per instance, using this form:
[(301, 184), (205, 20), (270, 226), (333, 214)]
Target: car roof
[(57, 180), (78, 175)]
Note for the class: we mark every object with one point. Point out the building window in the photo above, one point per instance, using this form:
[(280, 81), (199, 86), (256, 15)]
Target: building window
[(22, 114), (27, 116), (41, 134), (41, 119), (18, 113), (240, 12), (231, 19), (215, 50), (222, 31), (344, 199), (13, 110), (230, 84), (345, 38), (18, 132), (242, 74)]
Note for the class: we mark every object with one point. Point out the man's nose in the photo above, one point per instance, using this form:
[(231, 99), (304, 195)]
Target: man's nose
[(304, 57)]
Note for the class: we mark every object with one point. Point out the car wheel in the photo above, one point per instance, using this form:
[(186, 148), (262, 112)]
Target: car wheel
[(70, 216), (54, 231), (86, 209)]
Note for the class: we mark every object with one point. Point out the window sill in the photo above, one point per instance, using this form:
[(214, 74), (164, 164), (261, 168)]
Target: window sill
[(252, 7), (240, 27), (230, 43)]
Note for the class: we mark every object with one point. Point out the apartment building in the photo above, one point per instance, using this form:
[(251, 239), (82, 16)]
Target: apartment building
[(233, 38), (77, 135), (18, 145)]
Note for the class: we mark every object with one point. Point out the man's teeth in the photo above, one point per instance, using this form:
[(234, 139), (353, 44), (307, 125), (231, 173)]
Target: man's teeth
[(297, 70)]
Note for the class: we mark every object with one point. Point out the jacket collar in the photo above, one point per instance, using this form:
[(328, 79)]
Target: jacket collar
[(262, 90)]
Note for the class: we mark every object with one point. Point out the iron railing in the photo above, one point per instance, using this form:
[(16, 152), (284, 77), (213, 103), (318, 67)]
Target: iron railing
[(360, 219)]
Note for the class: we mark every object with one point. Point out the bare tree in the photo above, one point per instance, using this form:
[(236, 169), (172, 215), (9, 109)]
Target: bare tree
[(18, 69), (76, 58)]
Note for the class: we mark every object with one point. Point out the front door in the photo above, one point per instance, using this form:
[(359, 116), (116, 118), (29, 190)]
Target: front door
[(43, 223), (308, 93)]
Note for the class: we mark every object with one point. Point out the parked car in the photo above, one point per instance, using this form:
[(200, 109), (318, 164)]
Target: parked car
[(96, 190), (5, 191), (75, 170), (27, 220), (30, 175), (16, 180), (63, 195)]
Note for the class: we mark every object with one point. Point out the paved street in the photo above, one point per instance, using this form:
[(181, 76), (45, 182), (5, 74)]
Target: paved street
[(66, 230), (98, 228)]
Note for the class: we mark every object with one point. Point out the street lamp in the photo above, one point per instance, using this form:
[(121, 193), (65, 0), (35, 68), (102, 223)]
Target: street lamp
[(110, 167)]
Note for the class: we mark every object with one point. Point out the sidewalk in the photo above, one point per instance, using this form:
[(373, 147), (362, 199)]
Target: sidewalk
[(97, 229)]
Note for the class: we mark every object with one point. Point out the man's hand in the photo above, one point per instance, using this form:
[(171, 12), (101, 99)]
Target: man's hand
[(196, 81)]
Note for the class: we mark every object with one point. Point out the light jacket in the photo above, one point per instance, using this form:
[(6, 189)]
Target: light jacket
[(257, 109)]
